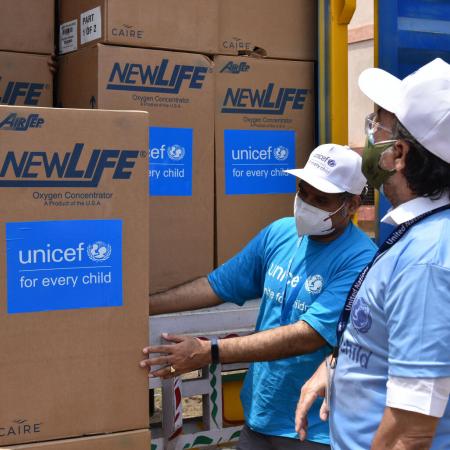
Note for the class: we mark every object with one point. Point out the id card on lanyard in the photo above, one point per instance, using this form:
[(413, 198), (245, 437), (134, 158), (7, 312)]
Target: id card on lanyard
[(395, 236), (330, 375)]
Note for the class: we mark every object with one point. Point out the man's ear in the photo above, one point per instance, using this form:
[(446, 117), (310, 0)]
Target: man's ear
[(353, 204), (401, 149)]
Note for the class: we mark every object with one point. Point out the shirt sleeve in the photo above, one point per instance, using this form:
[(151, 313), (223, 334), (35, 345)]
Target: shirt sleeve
[(324, 313), (427, 396), (241, 277), (418, 316)]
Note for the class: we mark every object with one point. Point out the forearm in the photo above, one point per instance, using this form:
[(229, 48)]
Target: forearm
[(404, 430), (193, 295), (277, 343)]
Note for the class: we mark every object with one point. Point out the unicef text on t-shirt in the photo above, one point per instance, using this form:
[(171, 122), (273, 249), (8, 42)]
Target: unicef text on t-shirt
[(255, 161)]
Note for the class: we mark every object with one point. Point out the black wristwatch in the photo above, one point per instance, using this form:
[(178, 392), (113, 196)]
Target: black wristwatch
[(215, 358)]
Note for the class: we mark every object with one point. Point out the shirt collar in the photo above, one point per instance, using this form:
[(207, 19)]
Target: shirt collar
[(413, 208)]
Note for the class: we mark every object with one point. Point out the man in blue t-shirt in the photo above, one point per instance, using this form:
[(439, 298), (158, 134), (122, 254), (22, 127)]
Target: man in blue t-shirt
[(391, 383), (301, 267)]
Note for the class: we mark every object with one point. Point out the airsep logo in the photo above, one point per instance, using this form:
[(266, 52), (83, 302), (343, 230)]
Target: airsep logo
[(139, 78), (40, 168), (14, 122), (16, 90), (263, 101), (231, 67)]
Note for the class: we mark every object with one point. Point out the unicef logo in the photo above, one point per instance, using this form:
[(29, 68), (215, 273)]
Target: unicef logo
[(176, 152), (281, 153), (331, 162), (99, 251), (361, 317), (314, 284)]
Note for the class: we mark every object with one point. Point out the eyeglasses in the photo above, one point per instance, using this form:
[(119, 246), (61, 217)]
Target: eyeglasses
[(372, 126)]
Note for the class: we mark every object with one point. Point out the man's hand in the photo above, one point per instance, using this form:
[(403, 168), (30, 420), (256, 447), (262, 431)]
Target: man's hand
[(405, 430), (185, 354), (315, 387)]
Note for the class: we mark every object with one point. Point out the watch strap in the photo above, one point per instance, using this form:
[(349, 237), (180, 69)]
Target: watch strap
[(215, 358)]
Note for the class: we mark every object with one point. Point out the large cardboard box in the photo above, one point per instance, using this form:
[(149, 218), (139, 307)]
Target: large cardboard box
[(73, 273), (25, 79), (188, 25), (284, 29), (131, 440), (264, 125), (27, 26), (178, 91)]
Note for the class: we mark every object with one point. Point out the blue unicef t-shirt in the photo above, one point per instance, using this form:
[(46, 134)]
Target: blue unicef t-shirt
[(316, 286), (399, 326)]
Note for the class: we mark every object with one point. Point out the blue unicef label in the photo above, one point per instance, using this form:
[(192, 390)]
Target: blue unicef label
[(170, 159), (60, 265), (255, 161)]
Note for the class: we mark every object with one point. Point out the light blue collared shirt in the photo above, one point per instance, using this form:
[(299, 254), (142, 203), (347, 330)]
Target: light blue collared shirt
[(399, 328)]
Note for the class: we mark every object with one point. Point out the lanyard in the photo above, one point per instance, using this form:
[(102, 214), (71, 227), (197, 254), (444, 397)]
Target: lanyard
[(394, 237)]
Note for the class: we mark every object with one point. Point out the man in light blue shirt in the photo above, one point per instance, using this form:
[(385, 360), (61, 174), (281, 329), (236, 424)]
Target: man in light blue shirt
[(301, 267), (392, 378)]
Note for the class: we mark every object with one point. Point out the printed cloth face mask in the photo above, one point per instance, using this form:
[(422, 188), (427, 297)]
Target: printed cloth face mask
[(372, 153)]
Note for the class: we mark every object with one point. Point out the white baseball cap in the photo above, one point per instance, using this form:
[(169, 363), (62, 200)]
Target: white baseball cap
[(421, 102), (333, 168)]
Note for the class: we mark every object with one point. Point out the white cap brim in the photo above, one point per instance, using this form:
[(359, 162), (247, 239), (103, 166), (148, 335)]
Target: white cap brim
[(381, 87), (315, 181)]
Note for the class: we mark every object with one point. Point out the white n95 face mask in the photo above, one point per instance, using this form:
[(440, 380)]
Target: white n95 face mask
[(311, 220)]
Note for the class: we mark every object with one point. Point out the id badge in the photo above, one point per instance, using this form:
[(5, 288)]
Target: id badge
[(330, 375)]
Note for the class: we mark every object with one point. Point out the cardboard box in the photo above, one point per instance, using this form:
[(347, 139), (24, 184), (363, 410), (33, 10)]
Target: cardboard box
[(277, 30), (264, 125), (74, 315), (27, 26), (178, 91), (25, 79), (132, 440), (190, 25)]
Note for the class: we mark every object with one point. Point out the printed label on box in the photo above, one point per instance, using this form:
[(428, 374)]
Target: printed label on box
[(68, 33), (170, 161), (255, 161), (91, 25), (60, 265)]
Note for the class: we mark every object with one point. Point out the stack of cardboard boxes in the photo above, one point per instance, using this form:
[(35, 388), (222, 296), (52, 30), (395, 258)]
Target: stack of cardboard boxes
[(222, 126), (102, 207), (73, 319), (74, 259), (26, 41), (264, 121), (177, 89)]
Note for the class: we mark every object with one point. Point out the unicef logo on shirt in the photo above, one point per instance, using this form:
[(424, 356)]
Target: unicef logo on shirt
[(176, 152), (314, 284), (99, 251), (281, 153), (361, 317)]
